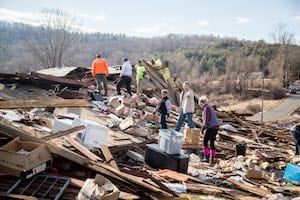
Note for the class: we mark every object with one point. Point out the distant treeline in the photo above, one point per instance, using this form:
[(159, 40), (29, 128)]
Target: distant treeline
[(191, 55)]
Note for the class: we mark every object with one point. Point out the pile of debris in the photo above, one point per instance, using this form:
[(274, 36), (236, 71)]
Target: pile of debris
[(48, 126)]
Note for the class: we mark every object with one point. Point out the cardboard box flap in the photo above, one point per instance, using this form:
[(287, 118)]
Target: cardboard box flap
[(23, 156)]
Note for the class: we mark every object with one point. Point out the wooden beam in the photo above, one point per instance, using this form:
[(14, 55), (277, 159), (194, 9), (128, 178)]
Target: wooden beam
[(15, 104), (63, 133), (134, 180), (83, 150), (108, 156), (251, 189), (103, 168), (156, 76), (5, 195), (55, 147)]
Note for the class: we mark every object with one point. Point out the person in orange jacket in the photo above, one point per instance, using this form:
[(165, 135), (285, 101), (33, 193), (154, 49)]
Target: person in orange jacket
[(100, 72)]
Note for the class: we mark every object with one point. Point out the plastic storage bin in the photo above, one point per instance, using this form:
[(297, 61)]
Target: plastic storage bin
[(156, 158), (170, 141), (292, 173), (64, 124), (95, 134)]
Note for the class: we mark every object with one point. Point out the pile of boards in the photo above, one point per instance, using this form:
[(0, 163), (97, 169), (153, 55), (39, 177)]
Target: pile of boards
[(131, 122)]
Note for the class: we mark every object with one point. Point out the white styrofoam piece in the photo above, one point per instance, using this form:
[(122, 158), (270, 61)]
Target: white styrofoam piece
[(11, 115)]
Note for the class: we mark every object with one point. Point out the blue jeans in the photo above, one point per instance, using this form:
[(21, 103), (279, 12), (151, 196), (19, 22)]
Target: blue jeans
[(163, 123), (182, 118), (296, 137)]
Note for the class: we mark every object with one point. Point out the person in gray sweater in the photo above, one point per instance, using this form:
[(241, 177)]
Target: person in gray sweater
[(125, 76)]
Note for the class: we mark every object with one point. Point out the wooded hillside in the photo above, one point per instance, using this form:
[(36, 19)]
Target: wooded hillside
[(190, 55)]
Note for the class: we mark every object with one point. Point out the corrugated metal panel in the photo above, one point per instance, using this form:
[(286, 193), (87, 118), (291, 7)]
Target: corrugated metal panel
[(57, 71)]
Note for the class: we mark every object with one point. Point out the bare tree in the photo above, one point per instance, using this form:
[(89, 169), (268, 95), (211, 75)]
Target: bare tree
[(57, 32), (282, 35)]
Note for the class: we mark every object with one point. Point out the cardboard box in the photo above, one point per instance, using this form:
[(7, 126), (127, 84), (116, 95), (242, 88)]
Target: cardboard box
[(191, 135), (120, 110), (152, 131), (24, 159), (114, 102), (150, 117), (141, 105), (92, 190), (254, 174), (126, 123), (128, 103)]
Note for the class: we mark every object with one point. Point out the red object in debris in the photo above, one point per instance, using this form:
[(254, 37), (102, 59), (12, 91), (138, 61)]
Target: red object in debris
[(153, 101)]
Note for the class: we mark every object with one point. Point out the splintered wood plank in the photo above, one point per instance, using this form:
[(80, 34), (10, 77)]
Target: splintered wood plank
[(133, 180), (5, 195), (62, 133), (116, 138), (126, 196), (82, 149), (108, 156), (252, 189), (15, 104)]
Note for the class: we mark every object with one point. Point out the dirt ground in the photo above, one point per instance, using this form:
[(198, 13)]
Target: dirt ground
[(253, 106)]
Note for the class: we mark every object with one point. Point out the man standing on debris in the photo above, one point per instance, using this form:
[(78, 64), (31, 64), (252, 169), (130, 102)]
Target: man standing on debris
[(125, 76), (210, 127), (295, 131), (164, 108), (100, 72), (140, 74), (187, 106)]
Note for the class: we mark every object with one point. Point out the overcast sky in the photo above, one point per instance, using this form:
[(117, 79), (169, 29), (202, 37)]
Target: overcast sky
[(251, 20)]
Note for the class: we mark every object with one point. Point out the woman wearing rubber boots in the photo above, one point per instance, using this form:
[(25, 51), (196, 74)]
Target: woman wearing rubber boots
[(210, 129)]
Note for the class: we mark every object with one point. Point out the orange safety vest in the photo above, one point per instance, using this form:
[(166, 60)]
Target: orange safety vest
[(100, 66)]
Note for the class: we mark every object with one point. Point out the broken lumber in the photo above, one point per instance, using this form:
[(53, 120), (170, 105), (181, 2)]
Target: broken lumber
[(63, 133), (83, 150), (135, 180), (102, 168), (108, 156), (251, 189), (15, 104), (155, 76), (5, 195), (48, 81), (7, 129)]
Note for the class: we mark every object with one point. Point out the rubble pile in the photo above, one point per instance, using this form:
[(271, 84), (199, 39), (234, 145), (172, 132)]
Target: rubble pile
[(53, 111)]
